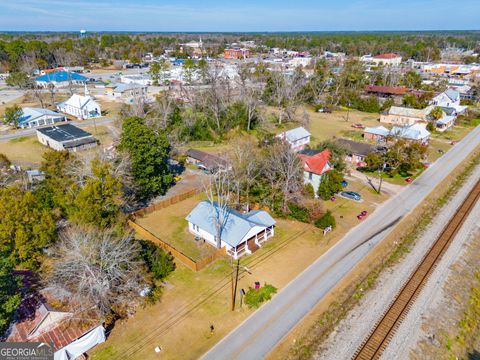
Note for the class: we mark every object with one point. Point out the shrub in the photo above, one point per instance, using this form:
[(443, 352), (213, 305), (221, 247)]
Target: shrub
[(431, 126), (4, 161), (331, 184), (309, 191), (298, 212), (254, 297), (159, 262), (326, 220)]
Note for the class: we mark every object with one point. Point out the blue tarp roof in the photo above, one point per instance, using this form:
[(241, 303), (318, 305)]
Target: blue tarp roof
[(60, 76)]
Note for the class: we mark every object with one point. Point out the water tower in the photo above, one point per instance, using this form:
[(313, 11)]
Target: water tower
[(83, 33)]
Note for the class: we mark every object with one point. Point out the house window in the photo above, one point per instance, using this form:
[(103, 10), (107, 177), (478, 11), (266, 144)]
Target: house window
[(310, 176)]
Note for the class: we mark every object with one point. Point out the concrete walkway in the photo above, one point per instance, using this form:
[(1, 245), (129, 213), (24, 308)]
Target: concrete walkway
[(259, 333)]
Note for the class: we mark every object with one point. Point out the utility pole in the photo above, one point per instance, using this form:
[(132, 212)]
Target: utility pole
[(235, 282)]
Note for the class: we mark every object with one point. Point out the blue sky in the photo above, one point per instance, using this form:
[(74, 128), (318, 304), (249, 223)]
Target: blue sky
[(245, 15)]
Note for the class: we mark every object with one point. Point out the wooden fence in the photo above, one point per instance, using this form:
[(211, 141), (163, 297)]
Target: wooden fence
[(192, 264), (167, 202), (186, 260)]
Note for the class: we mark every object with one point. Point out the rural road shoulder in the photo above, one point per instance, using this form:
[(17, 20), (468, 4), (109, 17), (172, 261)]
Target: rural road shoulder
[(260, 332)]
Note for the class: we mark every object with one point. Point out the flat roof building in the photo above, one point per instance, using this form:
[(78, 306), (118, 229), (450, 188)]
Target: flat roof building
[(66, 137)]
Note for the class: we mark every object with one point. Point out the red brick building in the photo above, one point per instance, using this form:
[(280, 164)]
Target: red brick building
[(234, 54)]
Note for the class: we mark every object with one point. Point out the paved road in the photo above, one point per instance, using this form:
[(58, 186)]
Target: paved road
[(258, 334), (83, 123)]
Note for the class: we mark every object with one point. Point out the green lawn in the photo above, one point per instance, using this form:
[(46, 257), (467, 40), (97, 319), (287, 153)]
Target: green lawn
[(169, 225)]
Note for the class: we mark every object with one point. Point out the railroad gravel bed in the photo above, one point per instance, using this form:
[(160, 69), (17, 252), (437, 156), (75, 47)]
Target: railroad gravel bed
[(350, 332)]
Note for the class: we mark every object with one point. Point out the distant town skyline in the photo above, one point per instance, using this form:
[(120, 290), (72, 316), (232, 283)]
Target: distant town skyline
[(241, 16)]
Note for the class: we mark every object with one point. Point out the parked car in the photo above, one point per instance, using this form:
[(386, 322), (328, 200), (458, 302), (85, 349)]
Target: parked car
[(409, 180), (358, 126), (351, 195), (325, 110)]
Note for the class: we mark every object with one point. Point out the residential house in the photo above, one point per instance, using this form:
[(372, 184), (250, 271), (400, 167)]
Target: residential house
[(447, 120), (126, 92), (449, 98), (33, 117), (315, 165), (298, 138), (61, 79), (413, 133), (66, 137), (403, 116), (376, 133), (240, 233), (205, 160), (70, 334), (81, 107), (356, 151), (386, 91)]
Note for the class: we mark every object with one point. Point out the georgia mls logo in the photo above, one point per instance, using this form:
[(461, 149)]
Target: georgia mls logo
[(26, 351)]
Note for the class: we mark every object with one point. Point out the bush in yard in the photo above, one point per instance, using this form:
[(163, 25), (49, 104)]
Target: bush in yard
[(298, 212), (159, 262), (330, 184), (254, 297), (431, 126), (309, 191), (326, 220)]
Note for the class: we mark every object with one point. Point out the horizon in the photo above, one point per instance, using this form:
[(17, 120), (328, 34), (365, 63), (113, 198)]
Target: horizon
[(247, 16)]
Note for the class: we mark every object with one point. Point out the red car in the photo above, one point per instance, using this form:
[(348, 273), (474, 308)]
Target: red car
[(358, 126), (409, 180)]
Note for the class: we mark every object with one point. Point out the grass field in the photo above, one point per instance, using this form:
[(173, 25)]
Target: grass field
[(335, 125), (169, 225), (192, 301), (27, 152)]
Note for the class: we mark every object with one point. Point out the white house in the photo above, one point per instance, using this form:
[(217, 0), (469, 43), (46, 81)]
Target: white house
[(315, 165), (66, 137), (450, 99), (241, 233), (382, 59), (298, 138), (415, 132), (82, 107), (126, 92), (33, 117)]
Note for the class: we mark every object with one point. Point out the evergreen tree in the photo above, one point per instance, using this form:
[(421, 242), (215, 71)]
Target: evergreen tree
[(9, 295), (149, 152), (26, 227), (330, 185)]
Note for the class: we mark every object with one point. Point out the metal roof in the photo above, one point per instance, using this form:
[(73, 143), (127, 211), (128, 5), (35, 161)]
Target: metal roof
[(30, 114), (61, 76), (64, 133), (295, 134), (235, 225), (413, 132)]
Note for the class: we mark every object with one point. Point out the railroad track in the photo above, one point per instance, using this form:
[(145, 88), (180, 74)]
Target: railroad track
[(384, 330)]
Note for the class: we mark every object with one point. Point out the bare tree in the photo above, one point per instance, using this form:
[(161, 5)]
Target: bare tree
[(284, 171), (250, 93), (217, 189), (161, 110), (99, 269), (245, 167)]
